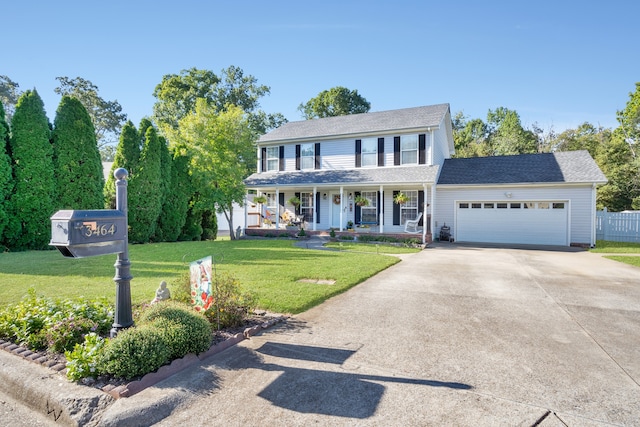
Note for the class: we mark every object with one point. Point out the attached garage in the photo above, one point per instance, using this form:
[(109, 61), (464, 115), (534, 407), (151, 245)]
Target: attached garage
[(529, 222), (538, 199)]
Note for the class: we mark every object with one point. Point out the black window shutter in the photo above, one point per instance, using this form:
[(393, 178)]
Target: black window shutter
[(396, 210), (318, 208), (378, 205), (297, 157), (422, 149), (281, 165), (421, 205), (358, 153), (281, 200), (396, 152), (297, 208), (264, 159), (357, 212), (317, 153), (380, 151)]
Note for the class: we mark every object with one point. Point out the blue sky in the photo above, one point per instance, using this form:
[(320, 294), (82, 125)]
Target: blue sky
[(557, 63)]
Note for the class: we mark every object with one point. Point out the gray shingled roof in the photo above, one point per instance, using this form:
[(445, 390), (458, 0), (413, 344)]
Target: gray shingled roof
[(561, 167), (377, 176), (353, 124)]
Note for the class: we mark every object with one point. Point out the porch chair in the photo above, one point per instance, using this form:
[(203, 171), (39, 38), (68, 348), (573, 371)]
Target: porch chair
[(411, 226)]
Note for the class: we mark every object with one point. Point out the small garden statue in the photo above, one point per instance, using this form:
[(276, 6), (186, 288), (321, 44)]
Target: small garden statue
[(162, 293)]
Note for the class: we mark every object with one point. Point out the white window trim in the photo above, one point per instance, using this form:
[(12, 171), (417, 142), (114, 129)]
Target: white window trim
[(271, 158), (403, 138), (369, 154), (310, 158)]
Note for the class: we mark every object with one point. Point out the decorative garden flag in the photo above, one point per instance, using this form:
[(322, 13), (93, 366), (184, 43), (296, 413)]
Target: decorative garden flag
[(201, 294)]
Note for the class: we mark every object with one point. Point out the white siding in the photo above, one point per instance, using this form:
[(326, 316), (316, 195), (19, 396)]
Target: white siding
[(578, 198)]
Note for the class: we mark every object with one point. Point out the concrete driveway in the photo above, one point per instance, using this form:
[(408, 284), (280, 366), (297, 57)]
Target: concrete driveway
[(452, 335)]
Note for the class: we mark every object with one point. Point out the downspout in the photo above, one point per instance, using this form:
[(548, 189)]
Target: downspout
[(315, 208), (277, 208), (341, 206), (593, 215), (433, 210)]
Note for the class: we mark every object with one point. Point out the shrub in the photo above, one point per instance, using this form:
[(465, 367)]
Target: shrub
[(82, 362), (183, 330), (134, 352), (346, 237), (66, 333)]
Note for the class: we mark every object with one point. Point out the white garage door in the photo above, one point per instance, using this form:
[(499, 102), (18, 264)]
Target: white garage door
[(530, 222)]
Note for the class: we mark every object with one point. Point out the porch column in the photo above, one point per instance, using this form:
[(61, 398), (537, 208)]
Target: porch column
[(315, 198), (341, 205), (424, 214), (381, 219), (277, 208), (433, 210)]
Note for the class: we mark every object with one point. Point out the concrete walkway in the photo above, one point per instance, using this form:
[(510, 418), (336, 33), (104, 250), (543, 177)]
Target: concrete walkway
[(450, 336)]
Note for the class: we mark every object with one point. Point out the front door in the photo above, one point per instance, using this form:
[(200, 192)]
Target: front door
[(335, 210)]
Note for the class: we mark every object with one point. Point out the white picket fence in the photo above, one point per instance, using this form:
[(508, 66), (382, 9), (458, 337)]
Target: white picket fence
[(618, 226)]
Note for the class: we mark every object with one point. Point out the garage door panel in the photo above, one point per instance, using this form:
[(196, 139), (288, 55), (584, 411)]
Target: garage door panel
[(525, 226)]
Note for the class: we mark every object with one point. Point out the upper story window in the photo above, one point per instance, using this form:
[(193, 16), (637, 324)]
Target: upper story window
[(409, 149), (369, 152), (307, 156), (273, 158)]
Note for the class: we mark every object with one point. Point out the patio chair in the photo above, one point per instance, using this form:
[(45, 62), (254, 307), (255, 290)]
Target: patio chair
[(411, 226)]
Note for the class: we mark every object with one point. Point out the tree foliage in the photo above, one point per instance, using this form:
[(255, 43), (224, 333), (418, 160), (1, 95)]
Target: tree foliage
[(127, 156), (78, 169), (9, 94), (221, 148), (31, 151), (337, 101), (145, 191), (6, 181), (177, 94), (174, 210), (107, 116)]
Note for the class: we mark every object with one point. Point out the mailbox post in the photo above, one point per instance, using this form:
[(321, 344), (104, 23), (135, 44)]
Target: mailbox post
[(123, 316), (79, 234)]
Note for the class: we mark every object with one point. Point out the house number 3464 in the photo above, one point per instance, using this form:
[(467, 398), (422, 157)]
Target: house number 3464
[(93, 229)]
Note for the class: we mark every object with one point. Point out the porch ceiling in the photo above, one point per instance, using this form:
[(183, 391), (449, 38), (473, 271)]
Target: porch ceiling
[(399, 175)]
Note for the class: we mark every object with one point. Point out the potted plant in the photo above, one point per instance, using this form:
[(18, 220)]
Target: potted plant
[(349, 225), (401, 198), (361, 201), (295, 201), (261, 200)]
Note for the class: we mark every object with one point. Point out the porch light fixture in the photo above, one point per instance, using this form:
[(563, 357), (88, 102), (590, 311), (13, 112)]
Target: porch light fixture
[(324, 196), (350, 196)]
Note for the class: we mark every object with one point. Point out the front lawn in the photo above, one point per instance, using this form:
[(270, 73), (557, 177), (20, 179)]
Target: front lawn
[(369, 247), (269, 269), (604, 246)]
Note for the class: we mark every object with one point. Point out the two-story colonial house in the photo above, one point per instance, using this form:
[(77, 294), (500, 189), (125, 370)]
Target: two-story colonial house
[(332, 164)]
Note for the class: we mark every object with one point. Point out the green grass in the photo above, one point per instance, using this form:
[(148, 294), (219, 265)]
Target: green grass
[(604, 246), (368, 247), (631, 260), (270, 269)]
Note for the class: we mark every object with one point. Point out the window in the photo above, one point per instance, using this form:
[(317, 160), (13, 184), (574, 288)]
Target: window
[(306, 206), (501, 205), (543, 205), (370, 152), (515, 206), (529, 205), (369, 213), (307, 156), (409, 210), (488, 205), (464, 205), (409, 149), (273, 158), (558, 206), (476, 205)]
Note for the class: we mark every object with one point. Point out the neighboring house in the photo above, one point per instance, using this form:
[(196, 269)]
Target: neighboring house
[(332, 162)]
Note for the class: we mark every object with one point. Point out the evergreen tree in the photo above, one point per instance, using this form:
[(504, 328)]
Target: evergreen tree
[(6, 182), (32, 157), (174, 210), (165, 184), (76, 158), (127, 156), (145, 191)]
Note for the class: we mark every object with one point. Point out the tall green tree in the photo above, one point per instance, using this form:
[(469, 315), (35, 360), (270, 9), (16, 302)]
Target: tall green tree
[(9, 94), (107, 116), (165, 184), (176, 97), (6, 181), (506, 134), (584, 137), (629, 120), (127, 156), (78, 169), (145, 191), (221, 148), (337, 101), (32, 155), (469, 137), (174, 210)]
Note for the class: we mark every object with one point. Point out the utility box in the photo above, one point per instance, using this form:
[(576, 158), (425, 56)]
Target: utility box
[(79, 234)]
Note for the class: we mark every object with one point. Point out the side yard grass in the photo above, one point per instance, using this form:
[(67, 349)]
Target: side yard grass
[(269, 269), (608, 247)]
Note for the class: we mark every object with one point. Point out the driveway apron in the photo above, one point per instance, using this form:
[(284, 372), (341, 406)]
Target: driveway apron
[(450, 336)]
